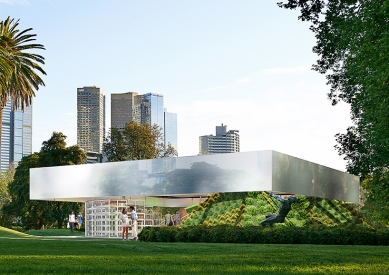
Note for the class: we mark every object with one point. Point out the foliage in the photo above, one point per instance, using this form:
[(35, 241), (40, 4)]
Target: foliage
[(352, 45), (376, 207), (111, 256), (18, 66), (245, 209), (5, 178), (135, 142), (39, 214), (340, 235)]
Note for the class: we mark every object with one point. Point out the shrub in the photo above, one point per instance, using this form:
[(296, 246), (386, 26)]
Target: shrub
[(249, 201), (281, 234)]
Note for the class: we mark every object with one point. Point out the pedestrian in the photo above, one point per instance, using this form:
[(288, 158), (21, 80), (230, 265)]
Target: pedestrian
[(79, 219), (124, 219), (168, 219), (177, 219), (134, 220), (72, 219)]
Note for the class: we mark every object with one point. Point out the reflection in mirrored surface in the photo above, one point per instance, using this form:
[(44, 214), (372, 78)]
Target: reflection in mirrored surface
[(193, 177)]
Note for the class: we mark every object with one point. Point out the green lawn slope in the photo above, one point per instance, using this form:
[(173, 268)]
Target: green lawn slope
[(9, 233)]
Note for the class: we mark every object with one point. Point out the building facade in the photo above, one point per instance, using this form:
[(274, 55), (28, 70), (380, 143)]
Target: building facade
[(90, 118), (122, 108), (147, 108), (16, 135), (170, 129), (224, 142)]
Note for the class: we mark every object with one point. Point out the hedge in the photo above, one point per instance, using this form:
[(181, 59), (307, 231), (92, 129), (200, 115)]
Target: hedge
[(340, 235)]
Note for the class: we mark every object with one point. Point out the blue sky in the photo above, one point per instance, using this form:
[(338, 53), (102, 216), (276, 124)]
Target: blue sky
[(242, 63)]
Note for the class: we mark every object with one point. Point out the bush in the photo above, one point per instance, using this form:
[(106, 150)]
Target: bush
[(280, 234), (252, 210)]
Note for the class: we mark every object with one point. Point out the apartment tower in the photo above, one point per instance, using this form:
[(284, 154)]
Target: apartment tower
[(224, 142)]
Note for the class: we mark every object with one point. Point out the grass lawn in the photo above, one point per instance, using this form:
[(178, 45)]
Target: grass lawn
[(39, 255)]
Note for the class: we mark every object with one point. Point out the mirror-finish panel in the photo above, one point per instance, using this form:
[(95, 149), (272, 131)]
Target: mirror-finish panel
[(195, 176), (294, 175), (237, 172)]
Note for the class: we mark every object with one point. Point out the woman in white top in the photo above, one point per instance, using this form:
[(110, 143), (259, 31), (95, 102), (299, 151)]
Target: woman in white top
[(72, 219), (124, 219)]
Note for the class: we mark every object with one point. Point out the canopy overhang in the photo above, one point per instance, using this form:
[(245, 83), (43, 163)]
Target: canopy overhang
[(182, 181)]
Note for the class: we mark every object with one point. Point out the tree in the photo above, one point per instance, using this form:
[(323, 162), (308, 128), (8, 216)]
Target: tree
[(135, 142), (352, 44), (18, 66), (5, 179), (37, 214)]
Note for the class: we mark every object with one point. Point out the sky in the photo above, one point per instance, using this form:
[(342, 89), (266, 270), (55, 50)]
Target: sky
[(246, 64)]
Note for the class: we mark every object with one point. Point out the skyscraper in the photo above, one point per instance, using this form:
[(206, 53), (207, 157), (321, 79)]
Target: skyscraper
[(122, 108), (90, 118), (147, 108), (224, 142), (170, 129), (16, 136)]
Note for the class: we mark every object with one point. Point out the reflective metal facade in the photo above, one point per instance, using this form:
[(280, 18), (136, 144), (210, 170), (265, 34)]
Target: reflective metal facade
[(187, 177)]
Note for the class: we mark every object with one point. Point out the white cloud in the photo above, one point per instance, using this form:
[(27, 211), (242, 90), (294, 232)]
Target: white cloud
[(243, 80), (292, 70)]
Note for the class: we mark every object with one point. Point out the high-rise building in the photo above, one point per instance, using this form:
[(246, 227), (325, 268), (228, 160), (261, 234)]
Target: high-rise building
[(170, 129), (147, 108), (122, 108), (16, 135), (224, 142), (90, 118)]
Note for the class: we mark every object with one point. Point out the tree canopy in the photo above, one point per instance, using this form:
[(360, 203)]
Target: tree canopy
[(352, 45), (36, 214), (19, 67), (135, 142)]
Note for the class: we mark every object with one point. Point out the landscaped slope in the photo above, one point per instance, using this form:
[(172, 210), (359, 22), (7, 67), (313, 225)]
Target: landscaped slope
[(9, 233), (250, 208)]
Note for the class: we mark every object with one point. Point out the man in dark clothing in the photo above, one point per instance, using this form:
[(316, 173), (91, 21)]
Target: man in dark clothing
[(283, 210)]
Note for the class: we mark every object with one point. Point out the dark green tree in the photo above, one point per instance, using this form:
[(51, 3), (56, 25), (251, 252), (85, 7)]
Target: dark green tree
[(352, 45), (135, 142), (5, 179), (37, 214)]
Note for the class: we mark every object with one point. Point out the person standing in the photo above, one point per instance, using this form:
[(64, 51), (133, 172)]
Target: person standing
[(134, 220), (79, 219), (72, 219), (124, 219), (177, 219), (168, 219)]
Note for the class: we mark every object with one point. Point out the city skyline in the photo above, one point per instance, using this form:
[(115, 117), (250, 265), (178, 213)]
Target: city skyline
[(16, 135), (144, 108), (230, 66)]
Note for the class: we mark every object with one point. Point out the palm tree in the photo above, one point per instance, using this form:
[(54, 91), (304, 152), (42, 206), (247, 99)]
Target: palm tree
[(18, 66)]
